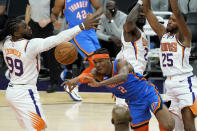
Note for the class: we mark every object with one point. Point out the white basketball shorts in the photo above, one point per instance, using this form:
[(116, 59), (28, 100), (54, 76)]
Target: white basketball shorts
[(25, 101), (182, 91)]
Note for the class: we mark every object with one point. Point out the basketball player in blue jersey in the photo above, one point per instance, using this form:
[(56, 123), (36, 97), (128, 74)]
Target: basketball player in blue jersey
[(140, 95), (86, 42), (175, 48)]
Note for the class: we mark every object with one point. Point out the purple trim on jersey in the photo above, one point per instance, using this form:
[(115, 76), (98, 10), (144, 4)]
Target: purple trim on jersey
[(190, 87), (183, 54), (26, 45), (179, 41), (34, 101), (133, 43)]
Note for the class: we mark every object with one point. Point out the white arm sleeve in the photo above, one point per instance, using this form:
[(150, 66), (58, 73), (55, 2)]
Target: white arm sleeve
[(38, 45)]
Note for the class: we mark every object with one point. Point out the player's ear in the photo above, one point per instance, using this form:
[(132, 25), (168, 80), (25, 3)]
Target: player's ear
[(112, 121)]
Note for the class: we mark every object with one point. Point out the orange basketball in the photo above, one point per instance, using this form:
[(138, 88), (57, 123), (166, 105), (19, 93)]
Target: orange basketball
[(66, 53)]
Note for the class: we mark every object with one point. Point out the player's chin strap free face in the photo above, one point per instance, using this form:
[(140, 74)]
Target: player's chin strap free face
[(83, 75)]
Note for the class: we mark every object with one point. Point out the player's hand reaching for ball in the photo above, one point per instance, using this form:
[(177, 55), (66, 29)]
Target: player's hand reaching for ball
[(90, 22), (70, 84), (92, 82)]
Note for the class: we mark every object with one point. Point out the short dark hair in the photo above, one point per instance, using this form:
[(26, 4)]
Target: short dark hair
[(101, 51), (120, 115)]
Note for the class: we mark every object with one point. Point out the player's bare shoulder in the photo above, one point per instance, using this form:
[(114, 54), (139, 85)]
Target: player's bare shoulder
[(122, 63)]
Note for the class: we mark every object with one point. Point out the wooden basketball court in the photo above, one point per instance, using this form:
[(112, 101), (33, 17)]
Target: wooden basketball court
[(92, 114)]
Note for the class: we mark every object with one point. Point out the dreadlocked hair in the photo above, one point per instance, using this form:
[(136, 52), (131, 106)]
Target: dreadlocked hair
[(10, 27)]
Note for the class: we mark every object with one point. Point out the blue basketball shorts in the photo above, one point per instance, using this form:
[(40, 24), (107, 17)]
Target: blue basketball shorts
[(140, 108), (86, 42)]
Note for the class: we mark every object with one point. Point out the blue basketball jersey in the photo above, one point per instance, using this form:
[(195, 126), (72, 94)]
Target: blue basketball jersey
[(135, 87), (76, 11)]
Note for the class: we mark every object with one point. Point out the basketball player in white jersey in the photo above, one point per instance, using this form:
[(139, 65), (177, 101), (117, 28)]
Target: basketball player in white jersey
[(21, 55), (134, 43), (175, 47)]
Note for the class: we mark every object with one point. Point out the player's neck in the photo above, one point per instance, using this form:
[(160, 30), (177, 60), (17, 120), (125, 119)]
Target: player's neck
[(132, 36), (173, 32), (15, 38), (122, 127)]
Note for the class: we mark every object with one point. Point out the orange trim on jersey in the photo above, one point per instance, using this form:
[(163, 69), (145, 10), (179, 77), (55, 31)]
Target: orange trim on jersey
[(183, 48), (17, 40), (143, 128), (135, 48), (144, 79), (194, 107), (26, 45), (135, 45), (137, 76), (88, 54), (138, 38), (140, 124), (67, 26), (159, 104), (37, 122), (100, 56), (161, 128), (37, 63), (170, 77)]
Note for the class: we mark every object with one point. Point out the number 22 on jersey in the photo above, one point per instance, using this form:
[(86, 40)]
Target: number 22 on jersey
[(122, 89)]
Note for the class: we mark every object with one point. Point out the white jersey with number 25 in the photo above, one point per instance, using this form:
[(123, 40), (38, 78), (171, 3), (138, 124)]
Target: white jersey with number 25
[(174, 56)]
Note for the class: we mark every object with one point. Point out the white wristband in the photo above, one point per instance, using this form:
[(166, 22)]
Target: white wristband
[(140, 2), (83, 26)]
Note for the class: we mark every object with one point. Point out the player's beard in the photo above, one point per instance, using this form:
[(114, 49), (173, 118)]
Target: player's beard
[(172, 30), (27, 36), (140, 23)]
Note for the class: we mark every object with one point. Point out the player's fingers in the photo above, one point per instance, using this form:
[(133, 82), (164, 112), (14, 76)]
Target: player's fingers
[(95, 24), (97, 19), (95, 28), (65, 87), (87, 77), (72, 88), (64, 83), (90, 84), (69, 87)]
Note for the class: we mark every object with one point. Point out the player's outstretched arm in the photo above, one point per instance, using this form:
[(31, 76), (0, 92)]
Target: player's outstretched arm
[(40, 45), (123, 69), (99, 9), (133, 14), (183, 28), (152, 19)]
